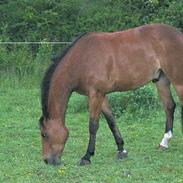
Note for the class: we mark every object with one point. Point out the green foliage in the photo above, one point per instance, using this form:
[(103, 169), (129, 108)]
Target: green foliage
[(62, 20), (19, 60), (139, 101), (172, 14), (37, 20)]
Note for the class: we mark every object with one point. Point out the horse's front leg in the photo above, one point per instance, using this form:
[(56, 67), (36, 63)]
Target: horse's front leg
[(122, 153), (95, 104)]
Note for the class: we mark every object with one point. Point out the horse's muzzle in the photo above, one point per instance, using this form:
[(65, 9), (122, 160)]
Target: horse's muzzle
[(53, 160)]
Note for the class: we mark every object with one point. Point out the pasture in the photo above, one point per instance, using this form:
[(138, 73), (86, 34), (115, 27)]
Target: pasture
[(142, 129), (139, 114)]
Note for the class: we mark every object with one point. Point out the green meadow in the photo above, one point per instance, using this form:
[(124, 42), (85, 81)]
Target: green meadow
[(138, 113), (140, 119)]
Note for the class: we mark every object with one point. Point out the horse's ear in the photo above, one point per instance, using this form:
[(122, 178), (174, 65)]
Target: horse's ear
[(41, 123)]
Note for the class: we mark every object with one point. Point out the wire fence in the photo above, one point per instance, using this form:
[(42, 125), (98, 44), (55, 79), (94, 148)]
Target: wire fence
[(37, 42), (56, 46)]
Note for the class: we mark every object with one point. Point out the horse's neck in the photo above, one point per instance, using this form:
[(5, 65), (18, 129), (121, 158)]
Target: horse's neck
[(58, 99)]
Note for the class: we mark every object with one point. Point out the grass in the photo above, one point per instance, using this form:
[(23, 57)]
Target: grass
[(20, 147)]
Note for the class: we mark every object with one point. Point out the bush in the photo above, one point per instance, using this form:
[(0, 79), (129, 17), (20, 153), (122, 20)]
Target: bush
[(20, 60), (62, 20), (143, 99)]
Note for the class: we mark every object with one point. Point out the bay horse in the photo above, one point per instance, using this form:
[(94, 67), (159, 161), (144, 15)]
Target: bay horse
[(99, 63)]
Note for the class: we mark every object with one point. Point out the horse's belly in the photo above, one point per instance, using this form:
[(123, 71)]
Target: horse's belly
[(129, 78), (131, 84)]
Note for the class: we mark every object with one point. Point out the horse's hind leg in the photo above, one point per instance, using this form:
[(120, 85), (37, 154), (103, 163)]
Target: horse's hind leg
[(112, 125), (95, 105), (163, 86), (179, 90)]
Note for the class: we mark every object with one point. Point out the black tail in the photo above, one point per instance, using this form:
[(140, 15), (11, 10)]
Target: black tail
[(182, 118)]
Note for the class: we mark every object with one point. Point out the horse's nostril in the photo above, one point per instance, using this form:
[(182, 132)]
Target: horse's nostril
[(52, 161), (46, 161)]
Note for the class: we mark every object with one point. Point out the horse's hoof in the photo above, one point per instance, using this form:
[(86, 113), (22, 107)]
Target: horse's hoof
[(122, 154), (84, 162), (162, 147)]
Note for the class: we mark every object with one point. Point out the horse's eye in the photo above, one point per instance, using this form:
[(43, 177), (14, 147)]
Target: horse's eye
[(45, 135)]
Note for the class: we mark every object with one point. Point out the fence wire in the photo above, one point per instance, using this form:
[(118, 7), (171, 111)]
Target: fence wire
[(37, 42)]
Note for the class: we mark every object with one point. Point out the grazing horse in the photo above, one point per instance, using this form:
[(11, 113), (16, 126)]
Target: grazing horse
[(99, 63)]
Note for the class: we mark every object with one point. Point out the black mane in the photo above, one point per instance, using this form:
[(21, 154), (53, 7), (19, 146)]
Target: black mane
[(47, 79)]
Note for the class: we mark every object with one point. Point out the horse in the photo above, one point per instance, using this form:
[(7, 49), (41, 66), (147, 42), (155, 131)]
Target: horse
[(98, 63)]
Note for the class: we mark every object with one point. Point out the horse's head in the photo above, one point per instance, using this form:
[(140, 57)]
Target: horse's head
[(54, 136)]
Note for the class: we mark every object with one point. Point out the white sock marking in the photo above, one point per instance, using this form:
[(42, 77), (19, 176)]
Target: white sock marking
[(124, 151), (166, 138)]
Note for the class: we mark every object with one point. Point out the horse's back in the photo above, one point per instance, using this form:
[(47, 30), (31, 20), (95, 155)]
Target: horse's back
[(129, 59)]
